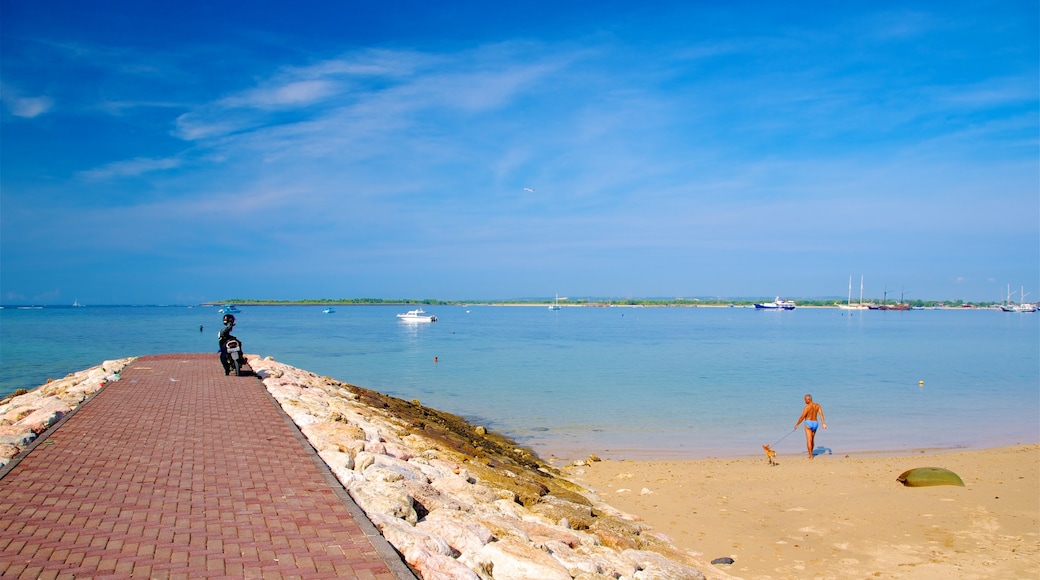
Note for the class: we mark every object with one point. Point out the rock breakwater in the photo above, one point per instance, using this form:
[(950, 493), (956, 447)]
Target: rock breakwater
[(26, 414), (461, 502)]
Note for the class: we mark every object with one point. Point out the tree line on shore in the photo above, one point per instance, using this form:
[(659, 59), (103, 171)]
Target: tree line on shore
[(684, 302)]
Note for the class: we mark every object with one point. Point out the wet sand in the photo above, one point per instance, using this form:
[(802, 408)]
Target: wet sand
[(840, 516)]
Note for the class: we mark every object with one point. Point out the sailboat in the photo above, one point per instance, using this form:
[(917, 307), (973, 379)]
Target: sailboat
[(850, 305), (886, 306), (556, 303), (1022, 305), (76, 304)]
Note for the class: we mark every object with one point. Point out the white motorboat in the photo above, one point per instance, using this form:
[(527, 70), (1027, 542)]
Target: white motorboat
[(777, 304), (418, 315), (229, 309), (329, 310)]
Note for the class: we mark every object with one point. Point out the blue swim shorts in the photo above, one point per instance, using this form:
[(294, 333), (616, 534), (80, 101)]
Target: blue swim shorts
[(812, 425)]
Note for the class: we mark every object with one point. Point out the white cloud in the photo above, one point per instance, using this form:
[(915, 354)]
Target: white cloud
[(30, 107), (25, 107), (292, 94), (131, 167)]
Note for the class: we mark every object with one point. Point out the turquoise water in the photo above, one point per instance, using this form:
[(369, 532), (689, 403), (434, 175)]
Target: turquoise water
[(620, 382)]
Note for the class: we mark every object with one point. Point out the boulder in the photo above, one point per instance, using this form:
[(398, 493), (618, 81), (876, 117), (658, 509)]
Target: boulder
[(433, 565), (460, 536), (383, 498), (514, 560), (573, 561), (16, 436), (654, 566), (426, 498), (464, 492), (555, 509)]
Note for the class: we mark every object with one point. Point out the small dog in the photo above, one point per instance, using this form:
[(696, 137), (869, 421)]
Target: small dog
[(770, 455)]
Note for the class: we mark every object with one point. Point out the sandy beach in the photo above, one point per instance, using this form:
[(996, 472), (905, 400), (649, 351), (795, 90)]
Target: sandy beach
[(840, 516)]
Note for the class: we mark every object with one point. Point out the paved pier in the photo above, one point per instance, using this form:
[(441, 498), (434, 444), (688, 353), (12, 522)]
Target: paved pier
[(177, 471)]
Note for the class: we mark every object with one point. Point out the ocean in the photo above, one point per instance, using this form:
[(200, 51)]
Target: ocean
[(618, 382)]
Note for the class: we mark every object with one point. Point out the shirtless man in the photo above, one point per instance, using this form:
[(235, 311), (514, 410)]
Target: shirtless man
[(812, 414)]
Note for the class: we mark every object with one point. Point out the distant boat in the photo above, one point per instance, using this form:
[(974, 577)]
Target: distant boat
[(777, 304), (556, 303), (229, 309), (76, 303), (886, 306), (418, 315), (329, 310), (850, 305), (1022, 305)]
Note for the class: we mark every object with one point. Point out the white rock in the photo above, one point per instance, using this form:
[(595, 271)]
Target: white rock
[(406, 469), (384, 498), (430, 470), (335, 459), (304, 419), (479, 563), (375, 448), (461, 537), (437, 566), (50, 411), (363, 461), (425, 495), (654, 566), (464, 492), (514, 560), (573, 561)]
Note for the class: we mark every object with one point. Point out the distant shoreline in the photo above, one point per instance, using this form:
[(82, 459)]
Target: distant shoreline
[(814, 304)]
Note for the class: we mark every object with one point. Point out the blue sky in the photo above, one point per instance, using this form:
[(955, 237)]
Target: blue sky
[(198, 151)]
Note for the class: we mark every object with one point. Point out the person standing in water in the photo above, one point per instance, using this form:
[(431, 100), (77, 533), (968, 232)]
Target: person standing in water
[(812, 414)]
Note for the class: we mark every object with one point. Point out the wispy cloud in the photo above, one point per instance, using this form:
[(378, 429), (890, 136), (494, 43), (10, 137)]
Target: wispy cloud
[(25, 107), (130, 168), (371, 88)]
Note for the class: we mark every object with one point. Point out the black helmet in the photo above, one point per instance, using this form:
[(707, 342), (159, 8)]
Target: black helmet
[(229, 319)]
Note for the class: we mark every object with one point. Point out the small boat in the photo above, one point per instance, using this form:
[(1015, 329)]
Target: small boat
[(329, 310), (76, 304), (777, 304), (418, 315), (556, 303), (229, 309)]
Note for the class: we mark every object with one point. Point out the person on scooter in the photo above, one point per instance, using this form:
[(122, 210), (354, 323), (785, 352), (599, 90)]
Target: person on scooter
[(222, 338)]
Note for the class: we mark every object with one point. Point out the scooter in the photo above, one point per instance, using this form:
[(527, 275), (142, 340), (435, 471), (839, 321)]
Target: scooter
[(235, 357)]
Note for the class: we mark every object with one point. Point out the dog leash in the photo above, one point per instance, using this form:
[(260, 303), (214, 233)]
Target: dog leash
[(782, 438)]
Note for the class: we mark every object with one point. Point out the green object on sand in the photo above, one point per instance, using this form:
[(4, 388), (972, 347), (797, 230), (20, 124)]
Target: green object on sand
[(925, 476)]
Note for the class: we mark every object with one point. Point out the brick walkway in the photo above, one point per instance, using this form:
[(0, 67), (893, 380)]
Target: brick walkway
[(177, 471)]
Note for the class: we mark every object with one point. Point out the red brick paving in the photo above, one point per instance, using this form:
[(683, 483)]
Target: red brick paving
[(177, 471)]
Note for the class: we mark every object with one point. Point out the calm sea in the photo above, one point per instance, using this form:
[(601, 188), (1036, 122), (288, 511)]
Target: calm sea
[(620, 382)]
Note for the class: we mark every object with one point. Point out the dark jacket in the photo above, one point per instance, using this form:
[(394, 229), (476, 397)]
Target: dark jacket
[(224, 336)]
